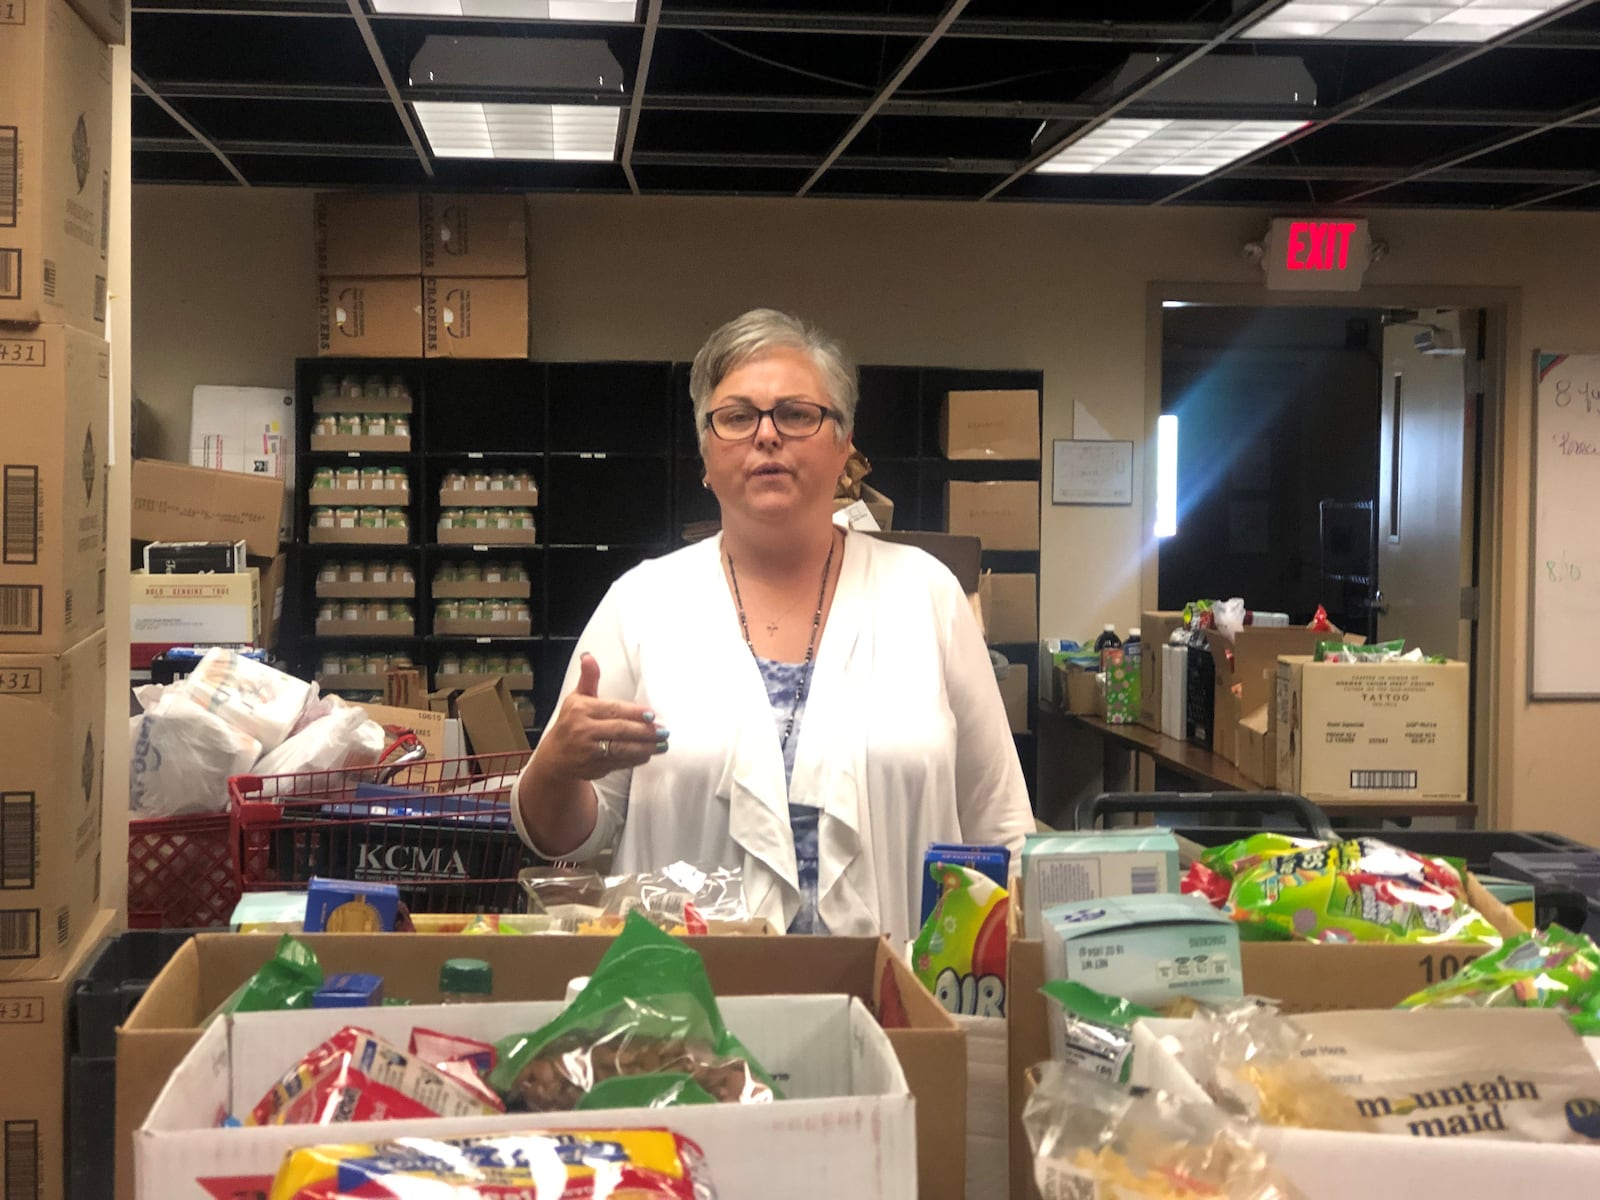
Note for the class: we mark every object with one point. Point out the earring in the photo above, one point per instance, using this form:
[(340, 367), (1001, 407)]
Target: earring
[(706, 483)]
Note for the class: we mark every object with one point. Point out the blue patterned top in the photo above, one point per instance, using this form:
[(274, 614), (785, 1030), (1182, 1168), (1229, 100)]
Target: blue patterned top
[(783, 680)]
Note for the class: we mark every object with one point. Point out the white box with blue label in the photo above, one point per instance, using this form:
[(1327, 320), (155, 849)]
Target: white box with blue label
[(1148, 949), (1058, 868)]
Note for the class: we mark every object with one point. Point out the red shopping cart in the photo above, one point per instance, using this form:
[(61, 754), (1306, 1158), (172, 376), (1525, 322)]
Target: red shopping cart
[(439, 829)]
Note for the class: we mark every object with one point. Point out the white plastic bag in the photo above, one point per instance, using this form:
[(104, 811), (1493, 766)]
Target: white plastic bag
[(180, 758), (344, 737), (251, 696)]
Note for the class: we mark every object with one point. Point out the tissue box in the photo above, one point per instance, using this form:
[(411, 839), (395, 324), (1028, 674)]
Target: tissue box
[(1148, 949), (1058, 868)]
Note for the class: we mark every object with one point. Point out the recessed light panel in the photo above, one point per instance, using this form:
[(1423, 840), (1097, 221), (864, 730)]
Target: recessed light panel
[(614, 11), (1400, 20), (549, 132), (1128, 146)]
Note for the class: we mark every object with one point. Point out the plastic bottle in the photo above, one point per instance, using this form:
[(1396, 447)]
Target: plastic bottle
[(465, 981), (1108, 640)]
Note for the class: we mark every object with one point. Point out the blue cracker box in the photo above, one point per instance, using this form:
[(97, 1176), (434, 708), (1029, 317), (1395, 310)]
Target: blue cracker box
[(1149, 949), (351, 906), (994, 862), (350, 990)]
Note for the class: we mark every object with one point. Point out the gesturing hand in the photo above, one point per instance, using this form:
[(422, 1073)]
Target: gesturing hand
[(591, 737)]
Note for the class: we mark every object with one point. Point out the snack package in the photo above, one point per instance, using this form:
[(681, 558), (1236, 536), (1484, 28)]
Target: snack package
[(680, 898), (1551, 968), (960, 955), (357, 1076), (1228, 860), (1093, 1141), (647, 1009), (289, 979), (1320, 623), (463, 1059), (572, 1164), (1343, 652), (1200, 880), (1356, 891), (1092, 1031)]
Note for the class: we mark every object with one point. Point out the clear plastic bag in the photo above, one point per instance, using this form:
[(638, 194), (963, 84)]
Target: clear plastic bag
[(680, 898), (1093, 1141)]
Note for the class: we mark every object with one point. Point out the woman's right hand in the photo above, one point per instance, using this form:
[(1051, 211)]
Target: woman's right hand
[(591, 737)]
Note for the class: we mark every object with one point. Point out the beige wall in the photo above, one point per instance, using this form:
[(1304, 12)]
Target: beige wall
[(225, 296)]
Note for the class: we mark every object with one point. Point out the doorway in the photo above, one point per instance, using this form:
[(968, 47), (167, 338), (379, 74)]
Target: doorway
[(1329, 456)]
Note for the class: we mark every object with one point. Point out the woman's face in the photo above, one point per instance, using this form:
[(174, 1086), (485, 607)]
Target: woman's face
[(769, 475)]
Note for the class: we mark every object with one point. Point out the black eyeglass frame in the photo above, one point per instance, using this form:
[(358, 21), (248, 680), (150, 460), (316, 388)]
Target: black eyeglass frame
[(825, 413)]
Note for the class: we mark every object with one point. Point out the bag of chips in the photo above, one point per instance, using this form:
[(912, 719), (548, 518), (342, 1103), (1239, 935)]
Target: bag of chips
[(1090, 1139), (647, 1010), (1551, 968), (572, 1164)]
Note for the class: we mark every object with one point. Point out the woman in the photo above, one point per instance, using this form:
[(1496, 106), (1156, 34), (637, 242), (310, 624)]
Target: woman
[(830, 702)]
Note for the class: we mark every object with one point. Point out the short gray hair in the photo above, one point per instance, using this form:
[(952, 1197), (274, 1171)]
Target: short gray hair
[(753, 334)]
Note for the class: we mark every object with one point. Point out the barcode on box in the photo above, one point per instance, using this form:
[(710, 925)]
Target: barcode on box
[(19, 933), (21, 608), (1144, 881), (19, 835), (19, 529), (99, 297), (22, 1161), (10, 274), (49, 279), (8, 179), (63, 925), (1385, 781), (100, 593)]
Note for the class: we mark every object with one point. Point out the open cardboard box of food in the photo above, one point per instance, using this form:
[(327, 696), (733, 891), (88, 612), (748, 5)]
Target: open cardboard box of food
[(926, 1039), (846, 1129), (1301, 976)]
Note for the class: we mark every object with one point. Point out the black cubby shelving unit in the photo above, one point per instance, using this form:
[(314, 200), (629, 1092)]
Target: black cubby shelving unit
[(612, 448)]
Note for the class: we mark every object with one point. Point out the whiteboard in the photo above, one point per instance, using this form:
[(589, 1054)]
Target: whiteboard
[(1091, 472), (1565, 659)]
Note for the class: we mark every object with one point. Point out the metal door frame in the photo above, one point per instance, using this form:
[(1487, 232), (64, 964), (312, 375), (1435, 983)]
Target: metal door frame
[(1502, 310)]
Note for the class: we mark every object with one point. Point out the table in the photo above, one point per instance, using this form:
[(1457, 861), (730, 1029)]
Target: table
[(1121, 743)]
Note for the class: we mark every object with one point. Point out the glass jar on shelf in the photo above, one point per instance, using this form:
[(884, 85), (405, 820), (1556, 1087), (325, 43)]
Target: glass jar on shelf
[(352, 610), (323, 517), (447, 610), (519, 664), (399, 425), (348, 424), (516, 572), (374, 388), (374, 425), (496, 610), (370, 517), (472, 664), (396, 518), (450, 663), (377, 610), (521, 611), (372, 478), (332, 664), (328, 611), (522, 481), (400, 660), (396, 479), (325, 425), (401, 572), (347, 516), (355, 572), (477, 481), (497, 481), (448, 572), (377, 662), (472, 610), (499, 518), (328, 572), (454, 481), (347, 478), (495, 664), (378, 572), (322, 479), (493, 572), (398, 389), (450, 518), (327, 386), (470, 572)]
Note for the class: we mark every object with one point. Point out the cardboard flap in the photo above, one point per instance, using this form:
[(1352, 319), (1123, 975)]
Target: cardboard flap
[(490, 720)]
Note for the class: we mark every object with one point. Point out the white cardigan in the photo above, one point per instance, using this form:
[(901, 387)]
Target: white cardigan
[(904, 741)]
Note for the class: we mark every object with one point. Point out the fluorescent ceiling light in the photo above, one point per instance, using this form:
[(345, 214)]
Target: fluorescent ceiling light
[(617, 11), (1166, 476), (553, 132), (1400, 20), (1127, 146)]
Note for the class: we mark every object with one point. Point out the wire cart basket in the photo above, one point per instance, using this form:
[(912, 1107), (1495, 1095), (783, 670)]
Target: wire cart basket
[(439, 829)]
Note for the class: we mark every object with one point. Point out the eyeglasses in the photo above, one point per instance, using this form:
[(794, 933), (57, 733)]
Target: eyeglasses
[(791, 418)]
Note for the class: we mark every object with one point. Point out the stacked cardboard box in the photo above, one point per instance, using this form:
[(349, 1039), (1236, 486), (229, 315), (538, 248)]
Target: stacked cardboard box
[(55, 155), (403, 276), (176, 503)]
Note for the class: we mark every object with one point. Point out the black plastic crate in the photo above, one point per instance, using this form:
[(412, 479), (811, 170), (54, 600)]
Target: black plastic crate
[(1573, 871), (91, 1140), (112, 984)]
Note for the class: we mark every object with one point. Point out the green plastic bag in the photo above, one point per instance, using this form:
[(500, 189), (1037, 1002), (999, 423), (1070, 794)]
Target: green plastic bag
[(1356, 891), (648, 1009), (661, 1090), (1552, 968), (289, 979)]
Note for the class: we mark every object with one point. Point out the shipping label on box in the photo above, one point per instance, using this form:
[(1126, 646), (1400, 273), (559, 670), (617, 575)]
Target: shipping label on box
[(369, 317), (35, 1043), (474, 236), (55, 166), (1003, 514), (1010, 607), (177, 503), (1374, 731), (193, 610), (990, 426), (368, 233), (54, 398), (475, 318), (50, 800)]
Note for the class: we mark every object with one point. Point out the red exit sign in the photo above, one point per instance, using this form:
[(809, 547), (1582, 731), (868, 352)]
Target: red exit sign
[(1317, 254)]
